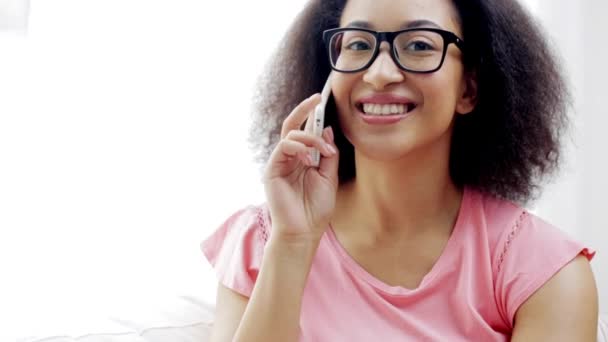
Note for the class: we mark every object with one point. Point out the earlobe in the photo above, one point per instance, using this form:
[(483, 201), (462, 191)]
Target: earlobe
[(468, 98)]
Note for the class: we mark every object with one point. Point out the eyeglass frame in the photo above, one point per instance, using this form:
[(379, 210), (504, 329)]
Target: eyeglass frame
[(389, 37)]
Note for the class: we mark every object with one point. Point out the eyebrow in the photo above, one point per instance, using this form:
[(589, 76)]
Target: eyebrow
[(404, 26)]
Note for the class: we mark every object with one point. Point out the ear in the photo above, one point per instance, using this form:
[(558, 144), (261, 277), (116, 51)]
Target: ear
[(468, 93)]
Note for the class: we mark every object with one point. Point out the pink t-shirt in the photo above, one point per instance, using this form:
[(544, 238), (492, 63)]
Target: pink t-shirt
[(497, 256)]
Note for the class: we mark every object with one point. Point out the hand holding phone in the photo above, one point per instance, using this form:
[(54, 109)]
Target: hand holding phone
[(302, 198)]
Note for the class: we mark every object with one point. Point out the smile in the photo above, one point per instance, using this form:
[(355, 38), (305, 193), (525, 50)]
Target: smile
[(386, 109), (373, 114)]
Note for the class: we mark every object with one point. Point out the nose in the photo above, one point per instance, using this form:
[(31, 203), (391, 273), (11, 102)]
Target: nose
[(383, 70)]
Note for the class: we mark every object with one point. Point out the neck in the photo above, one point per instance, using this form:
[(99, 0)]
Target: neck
[(404, 198)]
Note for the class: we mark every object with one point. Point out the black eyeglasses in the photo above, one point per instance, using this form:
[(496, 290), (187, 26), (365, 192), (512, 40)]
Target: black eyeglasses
[(419, 50)]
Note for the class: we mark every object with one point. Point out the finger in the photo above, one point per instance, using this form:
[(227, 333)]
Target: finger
[(285, 158), (328, 166), (298, 115), (305, 158), (312, 141), (289, 149)]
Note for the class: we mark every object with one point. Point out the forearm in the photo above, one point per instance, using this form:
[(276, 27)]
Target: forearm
[(273, 311)]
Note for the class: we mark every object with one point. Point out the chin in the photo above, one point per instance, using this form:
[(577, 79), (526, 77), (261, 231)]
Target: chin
[(383, 151)]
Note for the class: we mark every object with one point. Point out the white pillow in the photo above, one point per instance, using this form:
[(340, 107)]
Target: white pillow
[(186, 320)]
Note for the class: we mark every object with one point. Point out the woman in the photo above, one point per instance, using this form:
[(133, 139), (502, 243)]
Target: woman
[(409, 229)]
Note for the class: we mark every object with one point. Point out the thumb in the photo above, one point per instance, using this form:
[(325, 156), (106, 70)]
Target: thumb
[(328, 166)]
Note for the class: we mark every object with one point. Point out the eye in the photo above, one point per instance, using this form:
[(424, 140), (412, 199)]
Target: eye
[(419, 46), (358, 45)]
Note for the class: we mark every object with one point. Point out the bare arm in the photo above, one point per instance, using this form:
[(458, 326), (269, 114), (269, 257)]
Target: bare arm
[(229, 308), (273, 311), (301, 199), (564, 309)]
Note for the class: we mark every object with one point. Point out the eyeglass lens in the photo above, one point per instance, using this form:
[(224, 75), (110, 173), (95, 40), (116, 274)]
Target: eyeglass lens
[(415, 50)]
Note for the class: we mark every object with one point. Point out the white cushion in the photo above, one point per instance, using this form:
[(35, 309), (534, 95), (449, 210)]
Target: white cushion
[(187, 319), (199, 331)]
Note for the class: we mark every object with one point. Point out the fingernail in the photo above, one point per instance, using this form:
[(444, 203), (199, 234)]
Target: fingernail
[(331, 133), (331, 149), (326, 134)]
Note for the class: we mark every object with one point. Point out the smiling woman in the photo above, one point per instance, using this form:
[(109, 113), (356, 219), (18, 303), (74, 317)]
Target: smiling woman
[(445, 120), (122, 143)]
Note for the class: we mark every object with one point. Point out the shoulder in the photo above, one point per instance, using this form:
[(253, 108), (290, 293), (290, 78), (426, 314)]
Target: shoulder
[(235, 248), (495, 221), (250, 221), (513, 231), (527, 251), (242, 234)]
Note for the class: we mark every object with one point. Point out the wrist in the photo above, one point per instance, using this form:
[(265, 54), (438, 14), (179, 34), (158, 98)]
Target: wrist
[(293, 248)]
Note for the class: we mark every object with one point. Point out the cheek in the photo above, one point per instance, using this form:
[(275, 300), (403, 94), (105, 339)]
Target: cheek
[(342, 99), (441, 92), (341, 91)]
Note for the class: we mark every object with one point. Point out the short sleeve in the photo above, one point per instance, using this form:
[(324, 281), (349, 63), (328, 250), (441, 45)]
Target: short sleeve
[(236, 247), (530, 253)]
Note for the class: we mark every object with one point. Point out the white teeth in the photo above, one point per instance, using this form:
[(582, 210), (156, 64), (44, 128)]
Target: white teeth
[(387, 109)]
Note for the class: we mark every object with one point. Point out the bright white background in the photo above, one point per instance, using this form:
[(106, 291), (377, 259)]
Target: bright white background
[(123, 129)]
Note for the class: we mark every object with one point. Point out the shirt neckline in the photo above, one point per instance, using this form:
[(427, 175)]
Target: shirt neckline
[(445, 257)]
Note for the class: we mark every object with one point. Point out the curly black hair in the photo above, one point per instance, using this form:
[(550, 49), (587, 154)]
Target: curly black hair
[(506, 147)]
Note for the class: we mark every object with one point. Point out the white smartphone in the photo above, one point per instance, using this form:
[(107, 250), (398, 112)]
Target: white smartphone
[(319, 119)]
